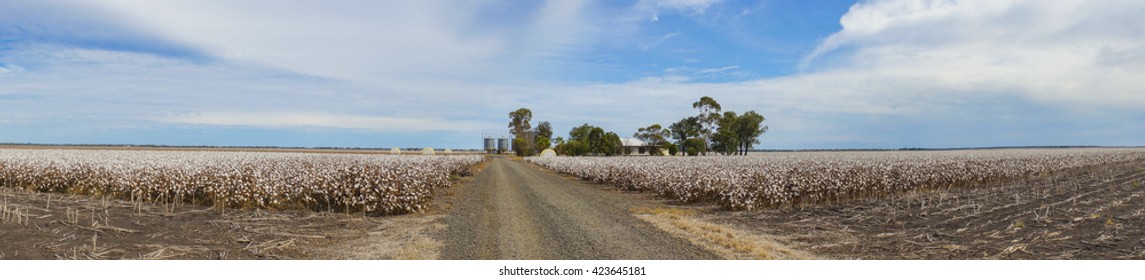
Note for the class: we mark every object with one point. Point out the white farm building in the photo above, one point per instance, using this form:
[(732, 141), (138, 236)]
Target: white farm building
[(635, 147)]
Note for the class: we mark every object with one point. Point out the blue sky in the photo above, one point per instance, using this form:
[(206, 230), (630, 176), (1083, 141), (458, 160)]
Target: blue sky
[(826, 74)]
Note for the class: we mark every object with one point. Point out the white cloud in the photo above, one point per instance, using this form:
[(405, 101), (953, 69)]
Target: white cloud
[(339, 39), (685, 74), (366, 41), (697, 6), (659, 41), (126, 87), (310, 119), (651, 9), (1067, 52)]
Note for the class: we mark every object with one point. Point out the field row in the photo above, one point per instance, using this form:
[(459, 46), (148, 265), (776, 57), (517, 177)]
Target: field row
[(325, 182), (792, 178)]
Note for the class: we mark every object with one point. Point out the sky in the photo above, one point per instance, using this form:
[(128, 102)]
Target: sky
[(378, 74)]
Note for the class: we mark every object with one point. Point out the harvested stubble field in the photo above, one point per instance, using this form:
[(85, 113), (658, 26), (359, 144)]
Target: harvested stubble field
[(148, 204), (1046, 204)]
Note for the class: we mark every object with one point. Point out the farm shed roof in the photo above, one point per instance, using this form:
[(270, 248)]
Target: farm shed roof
[(632, 142)]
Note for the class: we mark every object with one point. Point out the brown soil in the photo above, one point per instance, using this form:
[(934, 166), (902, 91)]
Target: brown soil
[(1097, 213), (56, 226)]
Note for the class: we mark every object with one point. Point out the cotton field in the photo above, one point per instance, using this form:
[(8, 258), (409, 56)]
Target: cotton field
[(791, 178), (267, 180)]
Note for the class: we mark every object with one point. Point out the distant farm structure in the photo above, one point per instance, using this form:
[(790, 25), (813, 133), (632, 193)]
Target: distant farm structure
[(495, 142)]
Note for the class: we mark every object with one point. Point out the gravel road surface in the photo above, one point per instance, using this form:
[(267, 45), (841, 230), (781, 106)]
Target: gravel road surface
[(515, 211)]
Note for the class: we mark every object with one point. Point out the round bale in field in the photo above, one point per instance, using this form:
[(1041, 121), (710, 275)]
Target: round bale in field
[(395, 151), (447, 151), (427, 151), (548, 153)]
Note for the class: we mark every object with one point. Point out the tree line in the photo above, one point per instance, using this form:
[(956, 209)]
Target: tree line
[(583, 140), (710, 131)]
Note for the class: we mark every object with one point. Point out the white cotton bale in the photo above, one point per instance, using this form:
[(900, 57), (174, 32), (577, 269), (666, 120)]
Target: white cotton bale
[(548, 153), (396, 151), (427, 151)]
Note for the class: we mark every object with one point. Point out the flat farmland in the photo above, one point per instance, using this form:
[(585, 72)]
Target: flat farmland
[(975, 204), (1078, 203), (210, 204), (1088, 213)]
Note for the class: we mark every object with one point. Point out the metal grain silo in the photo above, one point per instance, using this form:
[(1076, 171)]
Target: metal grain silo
[(502, 145), (490, 146)]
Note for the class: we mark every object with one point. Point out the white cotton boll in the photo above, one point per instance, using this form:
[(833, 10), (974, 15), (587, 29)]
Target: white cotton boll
[(233, 178), (787, 178)]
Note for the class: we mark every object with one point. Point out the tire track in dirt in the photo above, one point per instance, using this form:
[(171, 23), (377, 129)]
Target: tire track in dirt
[(513, 211)]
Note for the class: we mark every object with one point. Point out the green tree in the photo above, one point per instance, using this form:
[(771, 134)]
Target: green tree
[(611, 145), (542, 135), (573, 148), (736, 134), (654, 136), (748, 129), (708, 117), (725, 140), (684, 130), (595, 140), (544, 129), (542, 143), (692, 146), (519, 121), (591, 140), (520, 127), (521, 147), (581, 133), (579, 142)]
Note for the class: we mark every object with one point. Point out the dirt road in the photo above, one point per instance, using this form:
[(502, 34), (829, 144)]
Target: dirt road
[(514, 211)]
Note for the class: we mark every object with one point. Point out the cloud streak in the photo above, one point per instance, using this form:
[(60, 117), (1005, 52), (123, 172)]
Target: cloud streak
[(308, 119)]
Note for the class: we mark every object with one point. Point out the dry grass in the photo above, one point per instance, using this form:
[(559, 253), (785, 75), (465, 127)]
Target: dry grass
[(725, 241), (14, 213), (401, 238)]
